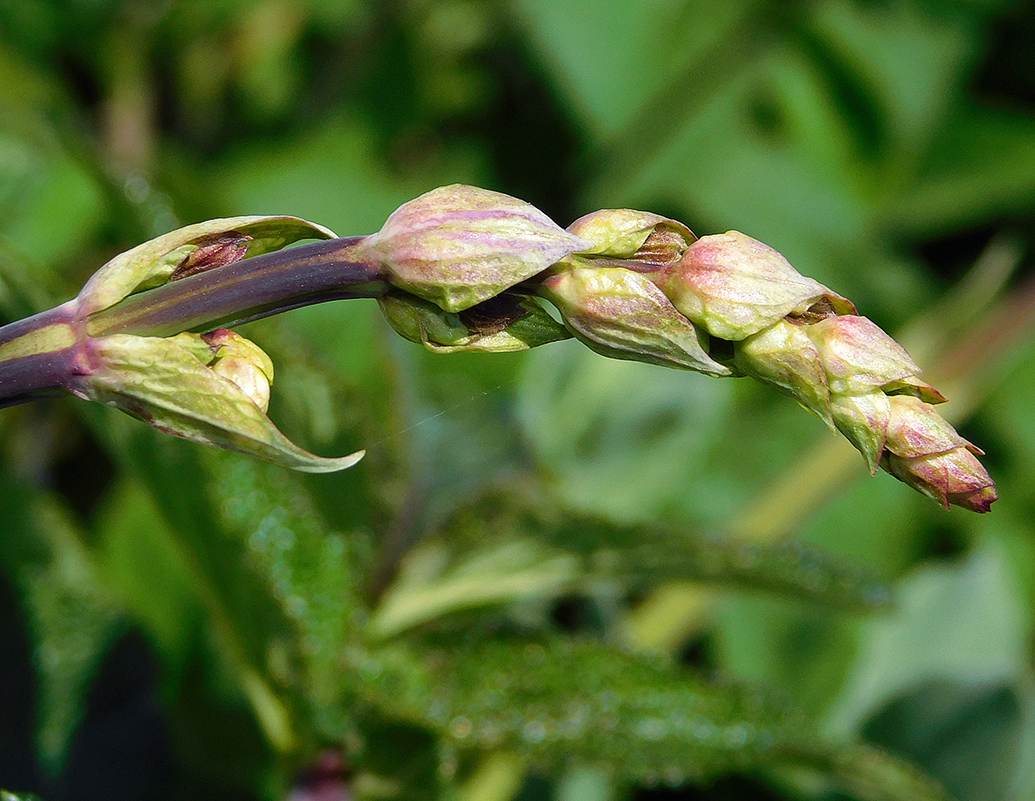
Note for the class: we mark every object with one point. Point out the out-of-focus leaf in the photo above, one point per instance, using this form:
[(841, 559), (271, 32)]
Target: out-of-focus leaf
[(509, 545), (981, 165), (6, 796), (398, 759), (312, 573), (968, 736), (562, 703), (332, 174), (141, 561), (621, 439), (71, 615), (799, 650), (647, 45), (50, 202), (248, 627), (958, 622), (25, 286), (906, 59)]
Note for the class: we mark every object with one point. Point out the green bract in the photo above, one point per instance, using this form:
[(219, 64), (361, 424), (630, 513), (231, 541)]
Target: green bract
[(510, 326), (162, 382), (155, 261), (620, 313)]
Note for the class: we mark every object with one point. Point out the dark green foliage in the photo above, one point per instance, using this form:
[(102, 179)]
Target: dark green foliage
[(404, 616)]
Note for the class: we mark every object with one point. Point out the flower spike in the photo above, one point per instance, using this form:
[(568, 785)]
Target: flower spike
[(462, 269)]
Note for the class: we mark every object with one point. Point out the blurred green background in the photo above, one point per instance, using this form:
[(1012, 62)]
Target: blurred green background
[(177, 624)]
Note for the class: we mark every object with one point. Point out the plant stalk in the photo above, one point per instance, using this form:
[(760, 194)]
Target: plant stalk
[(38, 355), (245, 290)]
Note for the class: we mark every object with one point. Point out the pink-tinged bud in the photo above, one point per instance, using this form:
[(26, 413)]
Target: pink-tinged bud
[(634, 235), (504, 323), (622, 314), (734, 286), (460, 245), (926, 453), (857, 355), (783, 355)]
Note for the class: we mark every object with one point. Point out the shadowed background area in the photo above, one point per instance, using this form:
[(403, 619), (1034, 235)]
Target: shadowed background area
[(174, 622)]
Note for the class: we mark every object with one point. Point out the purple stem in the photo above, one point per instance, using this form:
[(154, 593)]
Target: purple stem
[(245, 290), (37, 375), (228, 295)]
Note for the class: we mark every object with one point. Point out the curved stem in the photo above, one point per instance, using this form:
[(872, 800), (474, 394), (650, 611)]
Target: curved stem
[(38, 355), (245, 290)]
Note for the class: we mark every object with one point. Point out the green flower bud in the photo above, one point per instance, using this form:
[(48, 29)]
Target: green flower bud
[(170, 384), (926, 453), (504, 323), (460, 245), (636, 235), (734, 286), (783, 355), (863, 419), (242, 362), (622, 314)]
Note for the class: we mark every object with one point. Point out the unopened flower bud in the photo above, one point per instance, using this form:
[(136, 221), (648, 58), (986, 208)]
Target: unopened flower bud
[(863, 419), (621, 313), (925, 452), (504, 323), (243, 362), (460, 245), (734, 286), (633, 235), (857, 355)]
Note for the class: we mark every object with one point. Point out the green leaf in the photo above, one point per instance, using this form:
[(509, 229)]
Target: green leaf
[(162, 383), (906, 59), (968, 736), (644, 46), (158, 257), (71, 614), (142, 563), (955, 622), (559, 703), (556, 702), (982, 166), (621, 439), (312, 573), (250, 632), (509, 545)]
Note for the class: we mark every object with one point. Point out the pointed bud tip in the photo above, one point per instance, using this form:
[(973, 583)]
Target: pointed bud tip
[(979, 501)]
